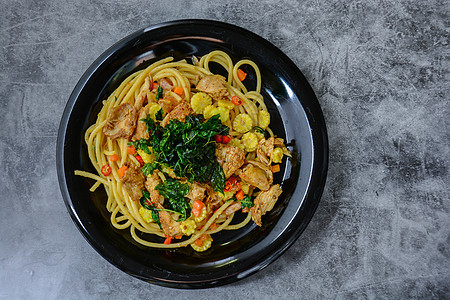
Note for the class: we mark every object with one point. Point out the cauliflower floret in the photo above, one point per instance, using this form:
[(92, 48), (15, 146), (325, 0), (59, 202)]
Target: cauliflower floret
[(263, 119), (250, 141), (242, 123), (147, 158), (277, 155), (154, 108), (202, 215), (146, 214), (199, 101), (206, 244), (188, 226), (226, 104)]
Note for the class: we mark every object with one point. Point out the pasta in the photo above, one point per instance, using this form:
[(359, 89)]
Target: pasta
[(180, 150)]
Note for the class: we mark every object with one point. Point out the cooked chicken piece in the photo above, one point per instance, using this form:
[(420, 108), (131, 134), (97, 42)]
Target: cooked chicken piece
[(214, 85), (141, 131), (150, 184), (230, 158), (168, 103), (213, 198), (233, 208), (265, 150), (179, 112), (142, 96), (264, 202), (196, 192), (168, 222), (255, 176), (165, 84), (133, 181), (121, 121), (267, 169)]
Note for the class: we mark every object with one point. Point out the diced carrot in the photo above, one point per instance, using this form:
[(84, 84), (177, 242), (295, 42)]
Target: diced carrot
[(168, 240), (204, 237), (114, 157), (178, 90), (179, 236), (122, 170), (238, 185), (241, 74), (275, 168), (213, 226), (196, 212), (198, 242), (245, 210), (131, 150), (198, 204), (155, 85), (240, 195)]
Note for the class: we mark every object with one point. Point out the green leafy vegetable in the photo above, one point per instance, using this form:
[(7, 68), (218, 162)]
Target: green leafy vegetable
[(141, 144), (147, 204), (159, 115), (189, 148), (149, 122), (148, 168), (159, 93), (247, 202), (175, 191)]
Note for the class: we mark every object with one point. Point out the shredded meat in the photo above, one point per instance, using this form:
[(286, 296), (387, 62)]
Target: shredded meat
[(230, 158), (141, 128), (169, 225), (265, 150), (256, 176), (233, 208), (264, 202), (133, 181), (214, 85), (196, 191), (180, 112), (165, 84), (121, 121), (141, 99), (150, 184)]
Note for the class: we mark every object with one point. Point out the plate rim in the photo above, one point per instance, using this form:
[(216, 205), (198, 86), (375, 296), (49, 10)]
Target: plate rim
[(320, 175)]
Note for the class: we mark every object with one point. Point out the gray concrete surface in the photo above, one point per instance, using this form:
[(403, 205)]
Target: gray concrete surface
[(380, 70)]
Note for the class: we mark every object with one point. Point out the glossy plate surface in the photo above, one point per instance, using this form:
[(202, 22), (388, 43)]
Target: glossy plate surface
[(296, 116)]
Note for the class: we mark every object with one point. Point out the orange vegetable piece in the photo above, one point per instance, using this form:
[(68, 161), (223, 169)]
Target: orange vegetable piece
[(131, 150), (178, 90), (114, 157), (213, 226), (275, 168), (198, 205), (122, 170), (198, 242), (240, 195), (168, 240), (241, 74)]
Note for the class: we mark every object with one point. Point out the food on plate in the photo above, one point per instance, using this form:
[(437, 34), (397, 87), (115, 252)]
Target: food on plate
[(180, 151)]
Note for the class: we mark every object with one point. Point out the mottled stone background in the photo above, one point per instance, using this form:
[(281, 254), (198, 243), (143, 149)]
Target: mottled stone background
[(380, 70)]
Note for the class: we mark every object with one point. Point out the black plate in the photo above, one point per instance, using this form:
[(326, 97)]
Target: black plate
[(297, 117)]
